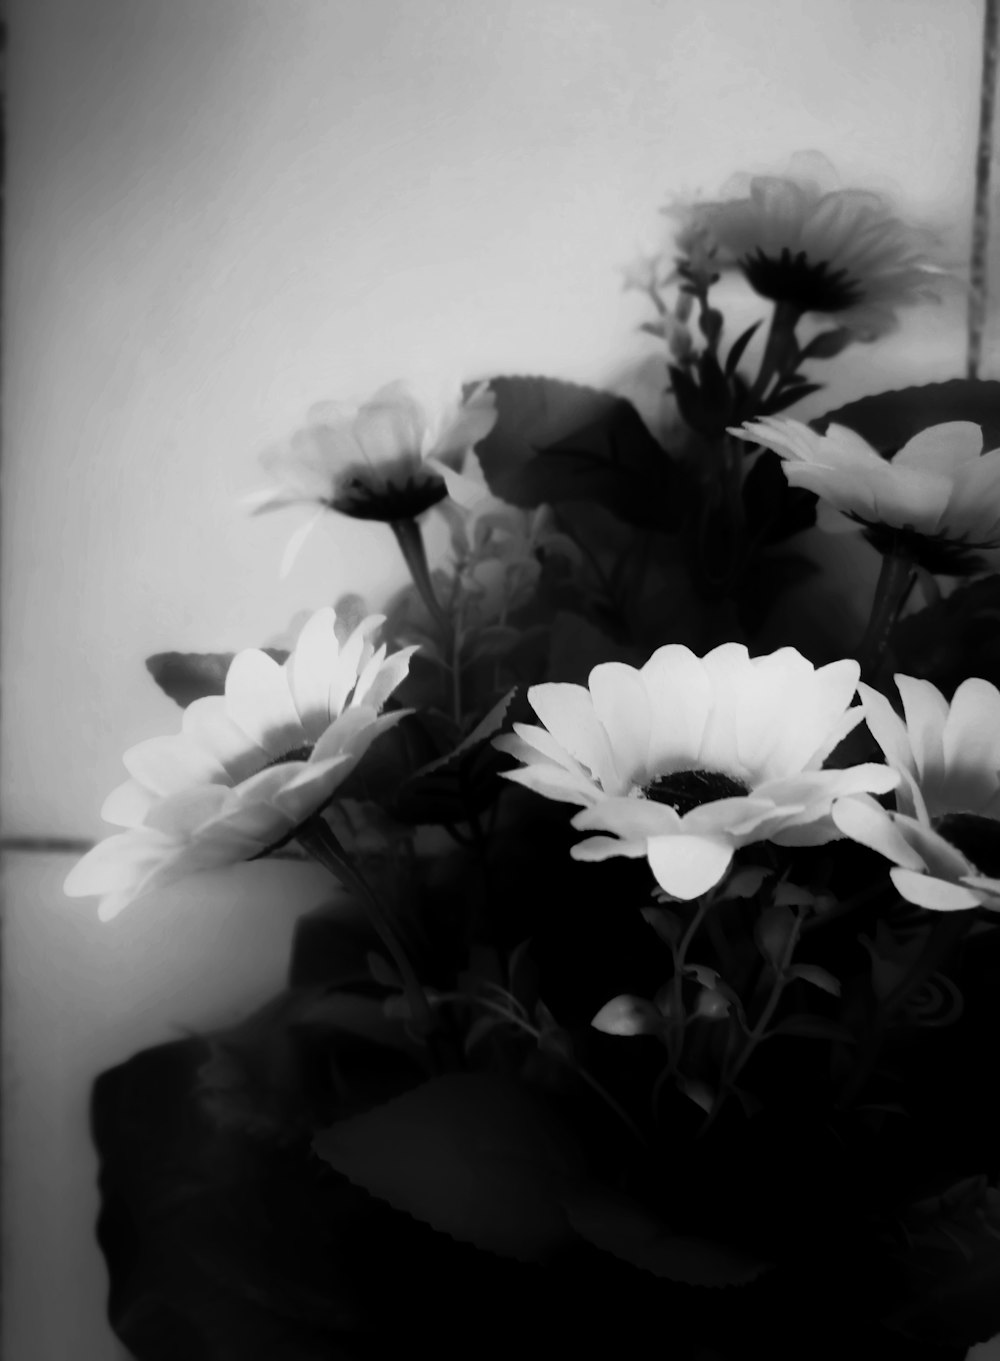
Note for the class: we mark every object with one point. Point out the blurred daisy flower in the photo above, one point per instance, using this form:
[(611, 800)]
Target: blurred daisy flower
[(248, 767), (814, 248), (389, 459), (686, 759), (944, 837), (937, 500)]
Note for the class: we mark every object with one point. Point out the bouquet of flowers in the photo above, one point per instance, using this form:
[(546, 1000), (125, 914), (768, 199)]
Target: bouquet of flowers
[(658, 996)]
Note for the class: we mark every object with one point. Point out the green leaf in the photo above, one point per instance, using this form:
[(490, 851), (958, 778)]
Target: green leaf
[(954, 639), (888, 419), (461, 783), (616, 1224), (819, 978), (473, 1155), (738, 348), (187, 676), (555, 442), (952, 1294), (772, 932)]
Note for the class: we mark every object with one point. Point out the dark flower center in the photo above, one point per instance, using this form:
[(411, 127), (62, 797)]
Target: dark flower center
[(978, 839), (795, 279), (398, 490), (687, 789), (937, 553)]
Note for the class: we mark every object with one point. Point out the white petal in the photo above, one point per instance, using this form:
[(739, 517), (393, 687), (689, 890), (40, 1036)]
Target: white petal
[(688, 866), (309, 668), (568, 713), (632, 819), (116, 863), (168, 765), (887, 728), (865, 821), (936, 894), (380, 677), (607, 848), (926, 711), (259, 701), (971, 743), (128, 805), (621, 705), (680, 697), (553, 783), (942, 448), (207, 724), (297, 541)]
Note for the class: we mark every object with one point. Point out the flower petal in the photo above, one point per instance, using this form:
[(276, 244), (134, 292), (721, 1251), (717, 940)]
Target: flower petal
[(259, 701), (568, 713), (938, 895), (942, 448), (688, 866)]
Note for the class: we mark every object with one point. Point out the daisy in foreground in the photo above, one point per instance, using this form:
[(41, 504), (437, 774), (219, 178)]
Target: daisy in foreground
[(686, 759), (390, 458), (944, 837), (810, 247), (938, 499), (248, 767)]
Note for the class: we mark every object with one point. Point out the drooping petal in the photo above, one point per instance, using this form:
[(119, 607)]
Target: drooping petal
[(688, 866), (938, 895), (867, 822)]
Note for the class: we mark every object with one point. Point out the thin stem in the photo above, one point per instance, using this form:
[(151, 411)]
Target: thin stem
[(321, 843), (759, 1030), (536, 1035), (976, 316), (678, 1020), (411, 545), (894, 584)]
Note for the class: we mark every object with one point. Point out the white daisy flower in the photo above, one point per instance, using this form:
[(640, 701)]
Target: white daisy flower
[(814, 248), (937, 499), (248, 767), (686, 759), (944, 837), (389, 459)]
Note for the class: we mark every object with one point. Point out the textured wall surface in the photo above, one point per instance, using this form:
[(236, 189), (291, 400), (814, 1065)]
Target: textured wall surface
[(219, 214)]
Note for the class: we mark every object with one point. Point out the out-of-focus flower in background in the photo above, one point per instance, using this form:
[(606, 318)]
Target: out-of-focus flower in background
[(815, 248), (389, 459)]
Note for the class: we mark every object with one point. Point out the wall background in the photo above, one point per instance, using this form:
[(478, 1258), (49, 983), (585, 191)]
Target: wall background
[(219, 214)]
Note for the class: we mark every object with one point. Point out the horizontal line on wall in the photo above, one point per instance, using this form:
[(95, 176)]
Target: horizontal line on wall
[(68, 845)]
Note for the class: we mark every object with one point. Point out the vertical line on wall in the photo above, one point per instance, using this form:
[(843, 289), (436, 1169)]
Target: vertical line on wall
[(981, 211)]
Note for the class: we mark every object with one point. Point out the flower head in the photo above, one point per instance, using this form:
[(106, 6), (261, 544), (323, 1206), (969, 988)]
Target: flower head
[(938, 498), (248, 767), (686, 759), (944, 836), (390, 459), (819, 249)]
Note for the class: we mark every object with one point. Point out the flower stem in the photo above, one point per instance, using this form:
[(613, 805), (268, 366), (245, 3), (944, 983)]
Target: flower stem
[(894, 584), (759, 1030), (781, 351), (322, 844), (411, 545)]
